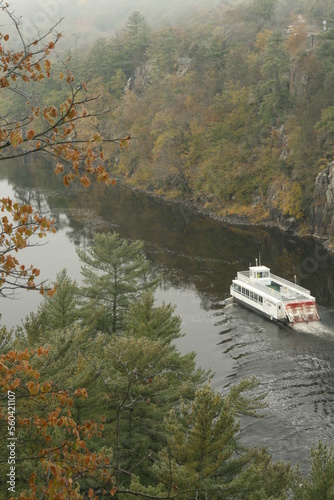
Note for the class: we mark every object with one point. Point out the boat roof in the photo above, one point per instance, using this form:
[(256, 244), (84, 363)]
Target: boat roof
[(259, 268)]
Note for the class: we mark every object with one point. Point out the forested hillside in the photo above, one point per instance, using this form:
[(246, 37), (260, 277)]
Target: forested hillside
[(233, 112), (229, 108)]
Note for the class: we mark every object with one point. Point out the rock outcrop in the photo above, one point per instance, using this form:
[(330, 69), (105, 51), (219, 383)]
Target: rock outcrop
[(323, 219)]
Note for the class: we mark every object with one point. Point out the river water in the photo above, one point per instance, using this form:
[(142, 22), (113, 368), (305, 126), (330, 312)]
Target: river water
[(197, 258)]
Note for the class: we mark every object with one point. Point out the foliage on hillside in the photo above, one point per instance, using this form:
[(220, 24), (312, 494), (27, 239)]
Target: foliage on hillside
[(233, 113)]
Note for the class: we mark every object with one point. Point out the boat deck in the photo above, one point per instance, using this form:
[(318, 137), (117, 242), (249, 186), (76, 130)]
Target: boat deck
[(278, 288)]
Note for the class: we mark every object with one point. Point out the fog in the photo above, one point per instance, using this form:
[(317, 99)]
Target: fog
[(102, 18)]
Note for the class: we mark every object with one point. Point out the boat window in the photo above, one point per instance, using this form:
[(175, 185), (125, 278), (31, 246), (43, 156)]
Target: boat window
[(247, 293), (261, 300)]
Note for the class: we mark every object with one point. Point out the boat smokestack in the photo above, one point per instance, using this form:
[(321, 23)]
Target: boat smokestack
[(256, 262)]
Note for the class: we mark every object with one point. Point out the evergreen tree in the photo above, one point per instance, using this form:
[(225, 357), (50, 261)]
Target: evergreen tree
[(203, 459), (54, 313), (157, 323), (320, 484), (115, 273), (275, 82)]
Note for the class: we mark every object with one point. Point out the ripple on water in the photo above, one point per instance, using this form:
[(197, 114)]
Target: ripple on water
[(295, 370)]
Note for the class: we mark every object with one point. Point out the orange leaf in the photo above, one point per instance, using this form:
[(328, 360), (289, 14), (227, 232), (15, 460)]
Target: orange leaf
[(6, 38), (47, 65), (84, 86), (113, 182), (90, 493), (30, 135), (59, 168), (84, 181), (66, 181), (4, 82), (113, 491)]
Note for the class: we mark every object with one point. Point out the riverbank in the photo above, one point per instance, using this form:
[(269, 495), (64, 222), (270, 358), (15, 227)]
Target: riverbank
[(245, 217)]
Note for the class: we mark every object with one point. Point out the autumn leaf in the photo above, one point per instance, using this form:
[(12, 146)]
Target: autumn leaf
[(30, 134), (85, 181), (15, 138), (59, 168), (4, 82), (47, 65)]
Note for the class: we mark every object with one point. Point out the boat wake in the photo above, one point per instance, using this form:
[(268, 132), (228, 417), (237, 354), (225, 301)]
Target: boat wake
[(317, 328)]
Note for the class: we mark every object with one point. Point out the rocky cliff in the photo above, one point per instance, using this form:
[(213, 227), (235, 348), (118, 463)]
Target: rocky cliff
[(323, 217)]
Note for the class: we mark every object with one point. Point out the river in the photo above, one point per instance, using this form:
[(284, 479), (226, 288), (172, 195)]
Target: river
[(197, 258)]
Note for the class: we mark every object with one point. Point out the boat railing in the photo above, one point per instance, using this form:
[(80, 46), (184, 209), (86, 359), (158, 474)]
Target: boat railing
[(244, 276), (289, 283)]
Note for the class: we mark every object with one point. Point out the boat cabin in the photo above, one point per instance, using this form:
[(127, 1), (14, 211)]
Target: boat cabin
[(260, 274)]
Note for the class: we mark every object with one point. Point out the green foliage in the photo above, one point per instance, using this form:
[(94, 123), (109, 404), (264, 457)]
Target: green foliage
[(264, 8), (203, 458), (157, 323), (54, 313), (320, 484), (6, 339), (115, 273), (273, 87)]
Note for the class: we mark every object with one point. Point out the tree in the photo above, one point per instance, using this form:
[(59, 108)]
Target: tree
[(264, 8), (36, 128), (137, 40), (135, 381), (54, 458), (18, 227), (115, 273), (320, 485), (57, 312), (157, 323), (203, 459), (274, 85)]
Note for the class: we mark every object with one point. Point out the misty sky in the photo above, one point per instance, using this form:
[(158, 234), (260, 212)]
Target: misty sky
[(100, 18)]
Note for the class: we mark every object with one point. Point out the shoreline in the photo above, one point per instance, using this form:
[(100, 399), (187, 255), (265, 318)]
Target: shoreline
[(231, 220)]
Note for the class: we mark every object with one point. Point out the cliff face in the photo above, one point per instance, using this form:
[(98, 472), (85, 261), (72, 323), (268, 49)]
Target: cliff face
[(323, 221)]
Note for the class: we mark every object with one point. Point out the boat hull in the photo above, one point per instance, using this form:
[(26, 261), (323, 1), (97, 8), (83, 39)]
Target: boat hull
[(270, 317)]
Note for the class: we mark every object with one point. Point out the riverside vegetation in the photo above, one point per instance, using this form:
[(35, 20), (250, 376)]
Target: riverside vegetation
[(104, 403)]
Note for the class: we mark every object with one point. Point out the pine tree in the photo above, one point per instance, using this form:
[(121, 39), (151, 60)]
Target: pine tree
[(116, 272), (54, 313), (320, 484), (203, 459), (157, 323)]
